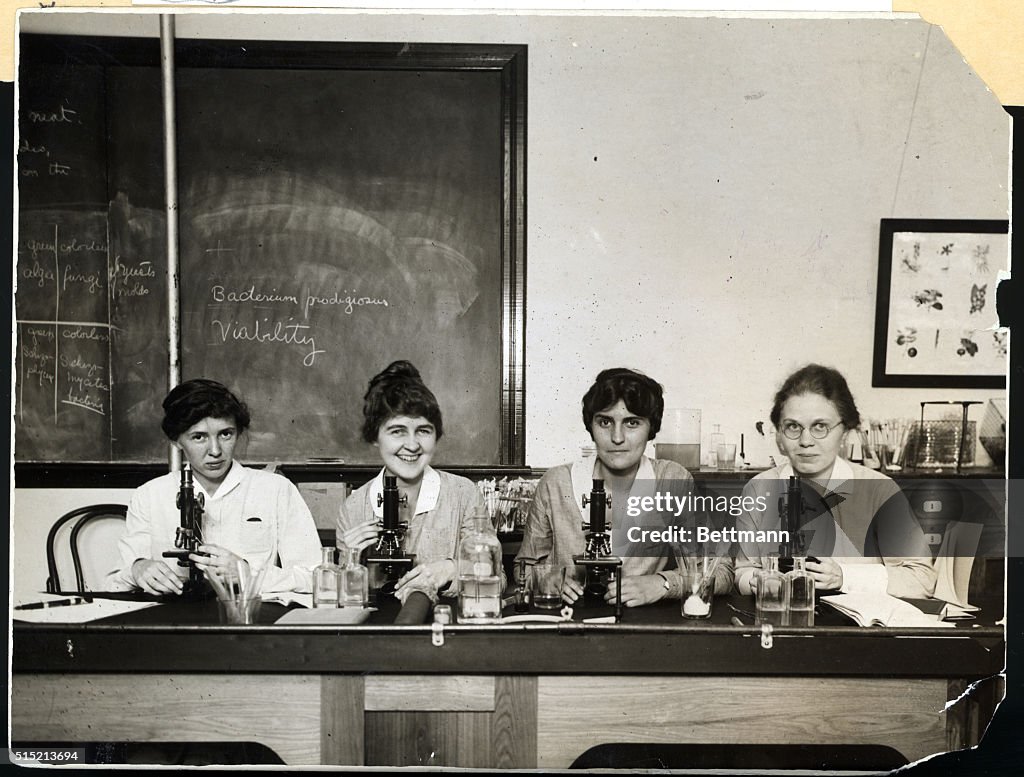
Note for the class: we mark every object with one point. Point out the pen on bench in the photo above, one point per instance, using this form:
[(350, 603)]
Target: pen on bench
[(56, 603)]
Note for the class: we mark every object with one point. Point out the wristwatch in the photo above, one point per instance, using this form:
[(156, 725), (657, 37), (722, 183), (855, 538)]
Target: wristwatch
[(665, 582)]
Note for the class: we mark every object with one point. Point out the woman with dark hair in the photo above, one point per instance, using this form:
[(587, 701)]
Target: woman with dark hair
[(622, 412), (402, 419), (853, 514), (247, 513)]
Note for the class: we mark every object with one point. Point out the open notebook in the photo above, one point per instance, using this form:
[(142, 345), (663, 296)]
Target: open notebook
[(879, 609), (953, 565)]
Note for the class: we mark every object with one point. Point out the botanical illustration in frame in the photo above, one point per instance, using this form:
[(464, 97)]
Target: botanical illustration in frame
[(935, 317)]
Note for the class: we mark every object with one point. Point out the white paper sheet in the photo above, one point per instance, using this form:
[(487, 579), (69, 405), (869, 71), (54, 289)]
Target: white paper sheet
[(76, 613)]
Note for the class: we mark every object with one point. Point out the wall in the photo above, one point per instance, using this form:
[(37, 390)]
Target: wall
[(704, 194), (35, 512)]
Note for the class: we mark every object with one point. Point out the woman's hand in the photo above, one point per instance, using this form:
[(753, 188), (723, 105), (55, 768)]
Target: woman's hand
[(638, 590), (362, 536), (431, 576), (215, 560), (156, 577), (572, 587), (827, 574)]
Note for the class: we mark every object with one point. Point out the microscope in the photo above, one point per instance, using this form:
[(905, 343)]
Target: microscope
[(387, 556), (189, 535), (792, 507), (597, 559)]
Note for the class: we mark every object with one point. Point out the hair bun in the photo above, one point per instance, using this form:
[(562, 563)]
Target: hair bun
[(398, 370)]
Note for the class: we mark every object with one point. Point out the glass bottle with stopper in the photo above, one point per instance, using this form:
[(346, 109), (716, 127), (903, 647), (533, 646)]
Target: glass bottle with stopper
[(597, 559), (386, 556), (326, 580), (479, 573)]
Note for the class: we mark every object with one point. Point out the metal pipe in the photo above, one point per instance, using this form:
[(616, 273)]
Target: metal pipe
[(171, 199)]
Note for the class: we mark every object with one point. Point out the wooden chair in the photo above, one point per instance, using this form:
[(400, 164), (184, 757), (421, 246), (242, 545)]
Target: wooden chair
[(87, 535)]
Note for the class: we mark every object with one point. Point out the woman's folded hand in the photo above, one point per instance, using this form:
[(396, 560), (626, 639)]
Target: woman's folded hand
[(638, 590), (827, 574), (430, 576)]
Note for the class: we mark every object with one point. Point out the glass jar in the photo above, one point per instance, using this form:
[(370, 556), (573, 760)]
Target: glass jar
[(326, 580), (354, 590), (479, 573)]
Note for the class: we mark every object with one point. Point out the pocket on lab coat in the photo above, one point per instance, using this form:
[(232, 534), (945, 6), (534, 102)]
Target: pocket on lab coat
[(256, 539)]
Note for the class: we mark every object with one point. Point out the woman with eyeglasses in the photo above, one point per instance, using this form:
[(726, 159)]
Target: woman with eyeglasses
[(851, 515)]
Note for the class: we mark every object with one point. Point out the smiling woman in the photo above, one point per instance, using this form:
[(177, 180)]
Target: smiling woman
[(402, 419)]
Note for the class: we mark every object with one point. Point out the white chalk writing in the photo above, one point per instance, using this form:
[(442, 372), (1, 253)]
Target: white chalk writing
[(35, 353), (86, 401), (345, 299), (220, 294), (41, 374), (93, 282), (24, 147), (62, 115), (269, 331), (35, 246), (126, 272), (130, 280), (37, 273), (74, 247), (78, 363), (84, 333), (82, 383)]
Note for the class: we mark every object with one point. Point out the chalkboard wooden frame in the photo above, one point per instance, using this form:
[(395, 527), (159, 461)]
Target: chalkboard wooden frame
[(507, 60)]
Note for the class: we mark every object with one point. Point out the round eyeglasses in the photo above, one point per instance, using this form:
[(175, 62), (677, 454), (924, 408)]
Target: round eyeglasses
[(819, 429)]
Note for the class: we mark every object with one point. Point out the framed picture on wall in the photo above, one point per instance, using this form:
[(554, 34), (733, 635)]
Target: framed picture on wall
[(935, 316)]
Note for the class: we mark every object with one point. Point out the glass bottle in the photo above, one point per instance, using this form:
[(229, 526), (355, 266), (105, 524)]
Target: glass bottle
[(479, 573), (772, 595), (714, 440), (801, 594), (354, 587), (326, 580)]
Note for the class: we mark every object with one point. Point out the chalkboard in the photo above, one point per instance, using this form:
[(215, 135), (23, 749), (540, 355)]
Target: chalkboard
[(339, 207), (85, 295)]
